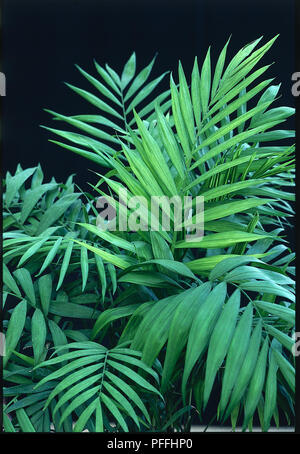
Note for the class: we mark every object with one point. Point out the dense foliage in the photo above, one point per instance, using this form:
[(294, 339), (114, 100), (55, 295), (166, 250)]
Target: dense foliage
[(144, 330)]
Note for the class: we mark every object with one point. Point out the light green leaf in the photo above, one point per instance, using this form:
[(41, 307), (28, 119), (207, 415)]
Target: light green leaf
[(182, 322), (270, 391), (14, 329), (128, 71), (235, 356), (282, 312), (14, 183), (220, 240), (38, 334), (107, 256), (139, 80), (24, 278), (65, 263), (288, 371), (24, 421), (9, 281), (220, 342), (84, 263), (201, 329), (45, 290), (256, 383)]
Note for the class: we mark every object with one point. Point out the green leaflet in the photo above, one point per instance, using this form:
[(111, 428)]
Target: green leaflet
[(286, 368), (51, 254), (128, 71), (58, 335), (270, 391), (72, 310), (181, 327), (101, 273), (99, 86), (84, 262), (186, 104), (45, 291), (246, 369), (220, 240), (107, 77), (235, 356), (24, 278), (283, 338), (195, 93), (220, 341), (112, 238), (155, 158), (170, 142), (14, 329), (201, 329), (160, 248), (79, 400), (229, 263), (96, 132), (275, 309), (76, 390), (94, 100), (9, 281), (139, 80), (65, 263), (150, 279), (133, 376), (220, 168), (123, 386), (24, 421), (244, 273), (85, 416), (153, 330), (86, 154), (110, 315), (122, 401), (74, 377), (55, 211), (227, 209), (219, 70), (14, 183), (205, 82), (267, 287), (209, 263), (31, 198), (256, 384), (223, 146), (38, 331), (179, 122), (110, 258), (143, 93)]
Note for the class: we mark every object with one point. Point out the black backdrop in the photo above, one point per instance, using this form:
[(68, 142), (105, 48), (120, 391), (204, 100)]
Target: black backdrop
[(43, 39)]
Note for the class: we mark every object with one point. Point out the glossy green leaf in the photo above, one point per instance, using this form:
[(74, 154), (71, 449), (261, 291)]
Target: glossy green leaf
[(235, 356), (45, 291), (38, 334), (14, 329), (201, 329), (220, 341), (256, 383)]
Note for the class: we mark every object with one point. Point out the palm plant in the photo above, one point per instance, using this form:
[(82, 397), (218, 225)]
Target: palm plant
[(206, 319)]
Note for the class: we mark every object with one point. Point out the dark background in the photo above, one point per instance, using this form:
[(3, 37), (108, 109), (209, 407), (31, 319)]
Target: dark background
[(43, 39)]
